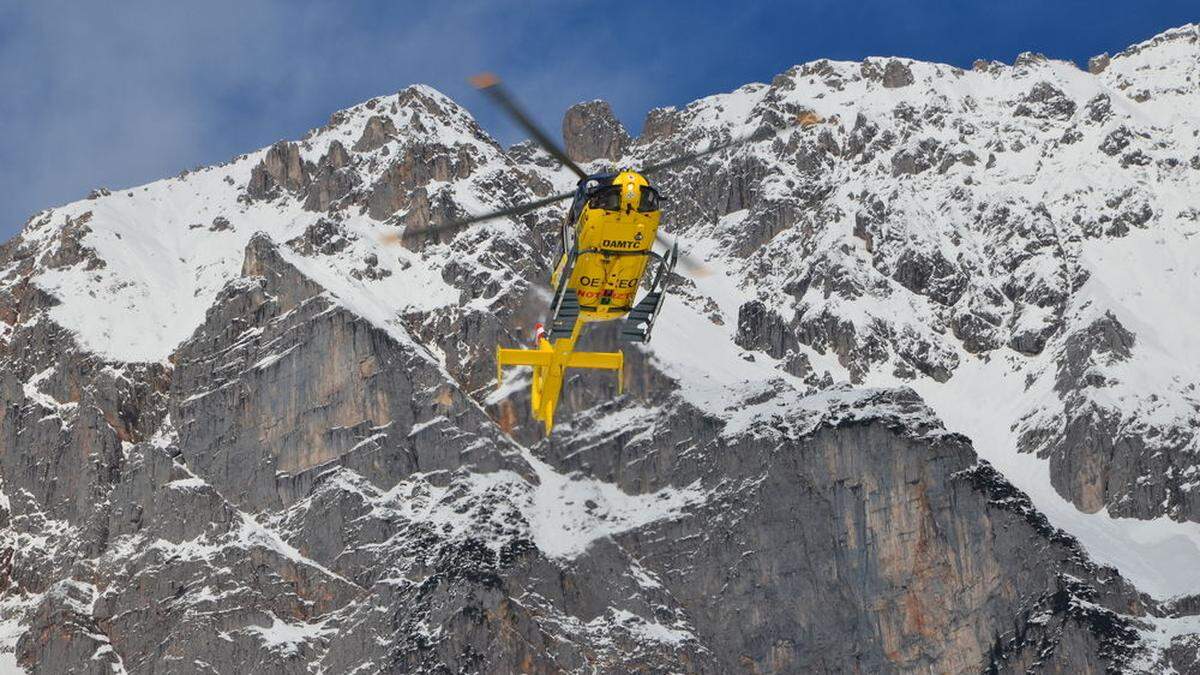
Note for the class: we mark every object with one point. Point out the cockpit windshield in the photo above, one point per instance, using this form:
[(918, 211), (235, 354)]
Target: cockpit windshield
[(607, 197), (649, 200)]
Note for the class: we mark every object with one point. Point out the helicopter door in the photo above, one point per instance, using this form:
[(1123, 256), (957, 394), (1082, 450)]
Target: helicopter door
[(568, 235)]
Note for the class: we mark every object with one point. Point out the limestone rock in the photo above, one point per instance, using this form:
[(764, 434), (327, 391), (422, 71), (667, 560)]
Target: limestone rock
[(897, 74), (333, 181), (313, 470), (591, 131), (280, 170), (378, 131)]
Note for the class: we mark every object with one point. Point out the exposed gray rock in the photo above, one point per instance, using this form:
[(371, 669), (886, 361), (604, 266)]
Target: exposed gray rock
[(378, 131), (309, 482), (420, 164), (861, 136), (333, 179), (70, 640), (914, 477), (914, 160), (1029, 59), (1099, 108), (327, 472), (591, 131), (760, 328), (1030, 338), (371, 269), (1045, 101), (660, 124), (987, 66), (893, 74), (281, 169), (325, 237), (274, 348), (1116, 141), (928, 273), (70, 249), (335, 157), (1100, 457), (897, 74)]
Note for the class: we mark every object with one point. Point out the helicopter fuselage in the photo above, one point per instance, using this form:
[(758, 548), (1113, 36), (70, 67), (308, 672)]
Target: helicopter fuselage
[(607, 243), (610, 246)]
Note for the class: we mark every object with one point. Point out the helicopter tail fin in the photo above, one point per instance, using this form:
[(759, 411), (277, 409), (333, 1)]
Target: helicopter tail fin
[(550, 366)]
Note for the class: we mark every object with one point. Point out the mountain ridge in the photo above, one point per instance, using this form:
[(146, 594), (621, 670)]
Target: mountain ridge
[(237, 343)]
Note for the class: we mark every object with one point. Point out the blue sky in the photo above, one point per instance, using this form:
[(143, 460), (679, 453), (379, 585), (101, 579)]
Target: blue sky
[(118, 94)]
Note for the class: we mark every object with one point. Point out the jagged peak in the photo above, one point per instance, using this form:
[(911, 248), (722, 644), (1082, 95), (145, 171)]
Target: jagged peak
[(1004, 212), (1187, 32), (1159, 72), (592, 131), (418, 112), (413, 94)]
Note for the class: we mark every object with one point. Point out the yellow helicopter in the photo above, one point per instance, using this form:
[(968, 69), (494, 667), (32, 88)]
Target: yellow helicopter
[(606, 245)]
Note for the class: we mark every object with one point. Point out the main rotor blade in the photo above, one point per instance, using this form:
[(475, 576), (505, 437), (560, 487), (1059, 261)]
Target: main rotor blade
[(762, 134), (690, 263), (490, 85), (455, 225)]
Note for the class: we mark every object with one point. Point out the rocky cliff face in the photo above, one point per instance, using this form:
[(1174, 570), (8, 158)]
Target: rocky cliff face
[(931, 407)]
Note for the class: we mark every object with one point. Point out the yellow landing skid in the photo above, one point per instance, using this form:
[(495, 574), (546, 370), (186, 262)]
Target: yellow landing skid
[(550, 364)]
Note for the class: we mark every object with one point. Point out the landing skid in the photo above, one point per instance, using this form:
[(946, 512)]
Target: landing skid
[(564, 311), (640, 321)]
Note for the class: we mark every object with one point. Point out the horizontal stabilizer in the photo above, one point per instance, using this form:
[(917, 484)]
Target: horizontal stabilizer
[(523, 357), (550, 366), (540, 357)]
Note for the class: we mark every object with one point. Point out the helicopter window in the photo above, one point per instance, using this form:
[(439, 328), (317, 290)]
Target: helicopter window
[(649, 201), (607, 198), (568, 236)]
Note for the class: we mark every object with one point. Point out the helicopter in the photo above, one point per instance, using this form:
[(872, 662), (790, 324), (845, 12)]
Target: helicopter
[(606, 247)]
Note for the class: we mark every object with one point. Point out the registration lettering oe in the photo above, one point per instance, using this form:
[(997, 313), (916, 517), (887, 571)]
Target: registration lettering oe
[(597, 281)]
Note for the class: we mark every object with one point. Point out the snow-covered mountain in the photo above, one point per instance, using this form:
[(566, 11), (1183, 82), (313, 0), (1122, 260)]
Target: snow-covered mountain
[(932, 406)]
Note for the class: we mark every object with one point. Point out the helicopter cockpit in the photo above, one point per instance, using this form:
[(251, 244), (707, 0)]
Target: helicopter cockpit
[(608, 196), (602, 192)]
